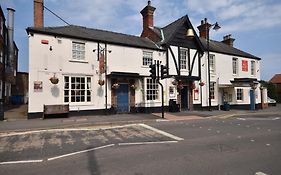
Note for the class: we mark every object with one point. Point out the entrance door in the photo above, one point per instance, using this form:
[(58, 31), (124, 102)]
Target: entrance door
[(122, 98), (184, 98), (252, 100)]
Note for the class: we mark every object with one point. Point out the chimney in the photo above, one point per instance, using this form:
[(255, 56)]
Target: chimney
[(38, 13), (204, 29), (228, 40), (147, 14), (10, 26)]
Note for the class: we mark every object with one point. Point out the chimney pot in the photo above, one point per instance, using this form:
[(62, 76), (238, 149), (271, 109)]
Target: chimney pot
[(204, 28), (38, 13), (147, 14), (227, 39)]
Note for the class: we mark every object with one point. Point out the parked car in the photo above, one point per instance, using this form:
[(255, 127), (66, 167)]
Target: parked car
[(271, 102)]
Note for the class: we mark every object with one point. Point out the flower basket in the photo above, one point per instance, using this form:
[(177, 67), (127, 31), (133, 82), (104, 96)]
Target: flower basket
[(101, 82), (54, 80), (133, 86), (115, 86), (201, 83)]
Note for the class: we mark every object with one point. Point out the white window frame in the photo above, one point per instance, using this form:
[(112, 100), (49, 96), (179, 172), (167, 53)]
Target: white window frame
[(239, 94), (152, 90), (212, 90), (76, 90), (147, 58), (183, 58), (78, 51), (235, 66), (253, 68), (212, 64)]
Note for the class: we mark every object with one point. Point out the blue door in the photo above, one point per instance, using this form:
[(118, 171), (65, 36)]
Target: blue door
[(184, 98), (252, 100), (123, 98)]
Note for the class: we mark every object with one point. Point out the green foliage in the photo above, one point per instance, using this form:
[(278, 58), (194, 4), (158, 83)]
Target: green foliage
[(271, 89)]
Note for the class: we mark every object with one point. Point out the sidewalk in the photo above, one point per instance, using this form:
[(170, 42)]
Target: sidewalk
[(119, 119)]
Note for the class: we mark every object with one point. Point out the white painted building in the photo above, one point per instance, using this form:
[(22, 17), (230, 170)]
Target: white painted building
[(101, 71)]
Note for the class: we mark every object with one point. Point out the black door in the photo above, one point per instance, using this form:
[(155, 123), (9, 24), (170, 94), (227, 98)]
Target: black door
[(184, 98)]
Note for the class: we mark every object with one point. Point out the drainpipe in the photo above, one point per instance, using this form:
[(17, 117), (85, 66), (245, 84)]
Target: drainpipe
[(10, 40)]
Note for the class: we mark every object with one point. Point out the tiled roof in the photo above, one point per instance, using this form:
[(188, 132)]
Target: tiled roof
[(220, 47), (215, 46), (276, 79), (73, 31)]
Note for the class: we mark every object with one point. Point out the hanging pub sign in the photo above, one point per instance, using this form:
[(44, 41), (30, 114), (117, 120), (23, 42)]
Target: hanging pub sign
[(38, 86), (245, 65)]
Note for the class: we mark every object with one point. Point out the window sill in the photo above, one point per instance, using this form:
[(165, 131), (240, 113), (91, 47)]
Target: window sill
[(78, 61)]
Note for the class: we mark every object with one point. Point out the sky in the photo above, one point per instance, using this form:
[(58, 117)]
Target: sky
[(255, 24)]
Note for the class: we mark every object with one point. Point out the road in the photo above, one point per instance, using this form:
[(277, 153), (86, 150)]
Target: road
[(211, 146)]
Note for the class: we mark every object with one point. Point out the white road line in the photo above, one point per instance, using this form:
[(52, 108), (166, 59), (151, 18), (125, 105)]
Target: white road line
[(161, 132), (79, 152), (21, 161), (241, 119), (260, 173), (65, 129), (146, 143)]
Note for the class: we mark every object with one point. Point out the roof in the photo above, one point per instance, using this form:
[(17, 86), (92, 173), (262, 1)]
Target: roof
[(215, 46), (79, 32), (220, 47), (174, 33), (276, 79)]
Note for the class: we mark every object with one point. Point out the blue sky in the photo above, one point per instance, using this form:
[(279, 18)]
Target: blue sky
[(255, 24)]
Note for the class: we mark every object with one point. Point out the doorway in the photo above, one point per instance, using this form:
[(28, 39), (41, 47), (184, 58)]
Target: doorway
[(184, 98), (123, 98)]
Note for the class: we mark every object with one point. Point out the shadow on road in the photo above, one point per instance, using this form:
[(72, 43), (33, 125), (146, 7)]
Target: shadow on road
[(93, 163)]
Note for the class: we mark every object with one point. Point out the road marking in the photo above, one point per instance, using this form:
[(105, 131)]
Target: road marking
[(146, 143), (161, 132), (21, 161), (162, 120), (79, 152), (260, 173), (252, 140), (65, 129), (241, 119), (267, 144)]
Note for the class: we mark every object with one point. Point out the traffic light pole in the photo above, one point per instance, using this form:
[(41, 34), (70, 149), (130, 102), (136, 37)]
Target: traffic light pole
[(162, 92)]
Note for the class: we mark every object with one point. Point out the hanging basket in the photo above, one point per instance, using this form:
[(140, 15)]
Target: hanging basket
[(175, 82), (115, 86), (101, 82), (133, 86), (54, 80), (201, 83)]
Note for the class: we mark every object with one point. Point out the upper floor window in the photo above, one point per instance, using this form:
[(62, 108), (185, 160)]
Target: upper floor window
[(183, 58), (78, 51), (151, 89), (147, 58), (253, 68), (212, 64), (212, 90), (234, 66), (239, 94)]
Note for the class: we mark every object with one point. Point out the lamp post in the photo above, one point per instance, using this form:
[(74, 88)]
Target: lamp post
[(214, 27)]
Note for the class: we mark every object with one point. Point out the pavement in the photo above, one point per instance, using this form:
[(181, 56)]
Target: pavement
[(15, 119)]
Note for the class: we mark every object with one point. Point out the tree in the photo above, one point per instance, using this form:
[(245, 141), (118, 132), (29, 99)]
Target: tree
[(271, 89)]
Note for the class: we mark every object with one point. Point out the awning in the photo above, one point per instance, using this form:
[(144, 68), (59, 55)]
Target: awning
[(124, 74), (244, 82)]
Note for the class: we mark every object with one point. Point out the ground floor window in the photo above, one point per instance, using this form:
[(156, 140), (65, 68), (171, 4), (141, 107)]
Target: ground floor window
[(212, 90), (77, 89), (151, 89), (239, 94)]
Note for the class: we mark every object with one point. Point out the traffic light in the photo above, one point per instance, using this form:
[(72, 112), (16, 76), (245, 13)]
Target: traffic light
[(152, 71), (164, 71)]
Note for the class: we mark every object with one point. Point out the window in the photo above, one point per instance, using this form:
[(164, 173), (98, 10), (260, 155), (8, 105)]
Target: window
[(234, 66), (147, 58), (212, 64), (239, 94), (1, 26), (78, 51), (253, 68), (212, 90), (77, 89), (151, 89), (1, 56), (183, 55)]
